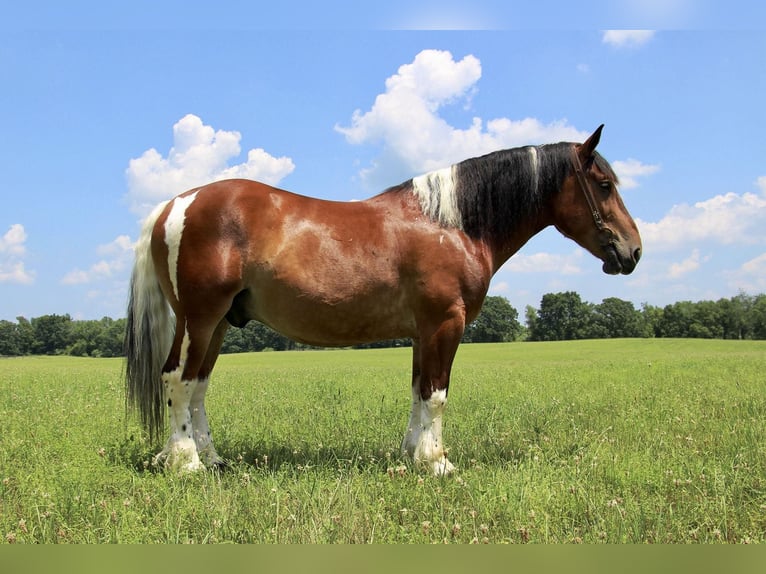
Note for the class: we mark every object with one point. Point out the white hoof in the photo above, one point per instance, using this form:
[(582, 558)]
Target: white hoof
[(440, 467), (177, 458)]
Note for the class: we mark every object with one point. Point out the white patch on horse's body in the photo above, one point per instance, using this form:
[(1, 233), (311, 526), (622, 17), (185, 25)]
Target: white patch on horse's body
[(437, 194), (423, 439), (174, 228)]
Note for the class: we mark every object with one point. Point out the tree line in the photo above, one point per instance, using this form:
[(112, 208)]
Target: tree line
[(560, 317)]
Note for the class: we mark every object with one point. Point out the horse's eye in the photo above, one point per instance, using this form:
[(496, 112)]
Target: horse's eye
[(605, 185)]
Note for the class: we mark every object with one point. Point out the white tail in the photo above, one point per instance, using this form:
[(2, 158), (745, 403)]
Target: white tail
[(148, 335)]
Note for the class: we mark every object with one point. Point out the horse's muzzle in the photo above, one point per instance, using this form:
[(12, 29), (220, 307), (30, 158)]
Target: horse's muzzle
[(615, 263)]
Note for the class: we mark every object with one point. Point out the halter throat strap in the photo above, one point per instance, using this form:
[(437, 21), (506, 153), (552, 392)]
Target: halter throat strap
[(606, 235)]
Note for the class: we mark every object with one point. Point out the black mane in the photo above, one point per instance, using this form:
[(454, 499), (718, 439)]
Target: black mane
[(501, 190), (497, 192)]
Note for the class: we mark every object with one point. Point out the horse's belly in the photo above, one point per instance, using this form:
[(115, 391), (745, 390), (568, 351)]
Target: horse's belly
[(339, 325), (333, 315)]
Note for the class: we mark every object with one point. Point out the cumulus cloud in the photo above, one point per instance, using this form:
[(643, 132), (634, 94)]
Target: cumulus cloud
[(200, 154), (117, 258), (630, 170), (406, 121), (627, 38), (12, 251), (546, 263), (691, 263), (750, 276), (728, 219)]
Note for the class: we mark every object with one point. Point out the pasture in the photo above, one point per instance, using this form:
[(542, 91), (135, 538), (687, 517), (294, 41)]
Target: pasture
[(614, 441)]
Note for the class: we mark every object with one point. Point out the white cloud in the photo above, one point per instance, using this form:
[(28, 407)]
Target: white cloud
[(627, 38), (691, 263), (199, 155), (546, 263), (406, 120), (728, 219), (12, 242), (629, 170), (750, 277), (12, 251), (118, 256)]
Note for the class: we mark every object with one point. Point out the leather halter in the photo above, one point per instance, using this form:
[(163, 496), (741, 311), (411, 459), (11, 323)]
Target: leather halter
[(606, 235)]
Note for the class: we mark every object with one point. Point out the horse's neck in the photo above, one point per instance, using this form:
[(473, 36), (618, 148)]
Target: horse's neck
[(505, 248), (511, 239)]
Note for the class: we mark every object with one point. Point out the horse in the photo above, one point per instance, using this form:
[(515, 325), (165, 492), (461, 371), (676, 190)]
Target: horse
[(413, 262)]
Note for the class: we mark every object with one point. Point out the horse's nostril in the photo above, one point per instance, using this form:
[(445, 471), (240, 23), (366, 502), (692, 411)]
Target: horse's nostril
[(637, 254)]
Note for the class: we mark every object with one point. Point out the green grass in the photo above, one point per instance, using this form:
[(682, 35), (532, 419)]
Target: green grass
[(592, 441)]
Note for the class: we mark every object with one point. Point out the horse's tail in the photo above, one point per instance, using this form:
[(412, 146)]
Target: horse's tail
[(148, 336)]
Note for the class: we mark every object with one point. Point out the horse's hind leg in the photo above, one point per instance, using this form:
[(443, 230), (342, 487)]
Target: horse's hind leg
[(183, 390), (180, 451), (200, 427)]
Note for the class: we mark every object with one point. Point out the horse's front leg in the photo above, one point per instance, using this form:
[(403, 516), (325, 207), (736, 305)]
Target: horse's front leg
[(429, 452), (432, 363), (414, 427)]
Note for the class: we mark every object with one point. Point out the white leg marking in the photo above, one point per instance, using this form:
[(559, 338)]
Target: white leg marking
[(180, 452), (427, 435), (412, 436), (174, 228), (200, 427)]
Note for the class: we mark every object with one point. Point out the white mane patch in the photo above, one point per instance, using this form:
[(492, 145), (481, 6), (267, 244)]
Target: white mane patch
[(436, 192), (533, 160)]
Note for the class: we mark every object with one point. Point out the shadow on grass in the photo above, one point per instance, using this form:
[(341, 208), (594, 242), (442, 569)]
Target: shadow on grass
[(138, 453)]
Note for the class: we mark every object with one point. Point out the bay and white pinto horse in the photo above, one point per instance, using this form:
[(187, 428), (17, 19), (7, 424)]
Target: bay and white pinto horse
[(415, 261)]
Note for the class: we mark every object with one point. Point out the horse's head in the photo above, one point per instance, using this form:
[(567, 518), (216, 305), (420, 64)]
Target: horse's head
[(590, 211)]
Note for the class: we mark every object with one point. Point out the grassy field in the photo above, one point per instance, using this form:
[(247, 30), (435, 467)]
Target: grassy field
[(593, 441)]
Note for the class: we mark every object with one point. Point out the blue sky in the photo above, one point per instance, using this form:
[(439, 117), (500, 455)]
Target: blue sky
[(105, 113)]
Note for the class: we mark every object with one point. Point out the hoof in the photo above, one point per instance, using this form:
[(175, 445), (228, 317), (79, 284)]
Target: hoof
[(440, 467), (219, 465), (177, 460)]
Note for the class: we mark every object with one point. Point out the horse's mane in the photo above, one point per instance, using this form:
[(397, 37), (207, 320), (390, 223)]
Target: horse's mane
[(493, 194)]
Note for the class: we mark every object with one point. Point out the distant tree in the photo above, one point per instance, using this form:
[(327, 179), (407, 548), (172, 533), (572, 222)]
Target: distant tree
[(110, 339), (530, 318), (734, 315), (103, 338), (52, 334), (676, 319), (83, 335), (255, 336), (652, 319), (562, 317), (497, 322), (26, 335), (615, 317), (9, 339), (757, 318), (707, 321)]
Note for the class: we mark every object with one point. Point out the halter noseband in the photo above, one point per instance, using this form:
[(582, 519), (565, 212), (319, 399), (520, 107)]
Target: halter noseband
[(606, 235)]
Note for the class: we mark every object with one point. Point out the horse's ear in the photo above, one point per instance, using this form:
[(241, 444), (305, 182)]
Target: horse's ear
[(585, 150)]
